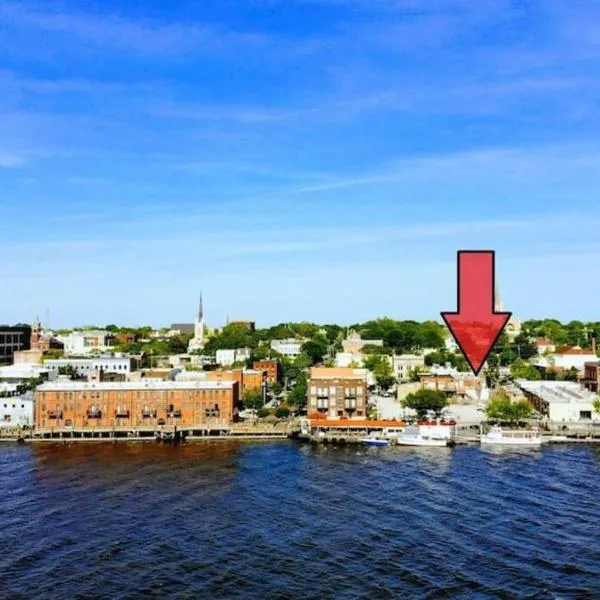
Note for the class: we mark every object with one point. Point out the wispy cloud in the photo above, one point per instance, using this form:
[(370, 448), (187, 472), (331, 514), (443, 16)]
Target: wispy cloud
[(115, 32), (8, 160)]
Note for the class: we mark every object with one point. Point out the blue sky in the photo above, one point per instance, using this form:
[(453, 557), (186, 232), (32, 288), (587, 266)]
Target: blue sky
[(299, 159)]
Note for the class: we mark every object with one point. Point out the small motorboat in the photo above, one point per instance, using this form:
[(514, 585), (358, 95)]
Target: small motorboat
[(374, 441)]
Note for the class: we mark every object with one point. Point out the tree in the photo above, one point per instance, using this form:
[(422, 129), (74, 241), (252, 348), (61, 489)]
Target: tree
[(276, 388), (252, 399), (282, 412), (500, 408), (525, 348), (384, 375), (424, 401), (297, 395), (263, 412), (596, 405), (521, 369), (315, 349)]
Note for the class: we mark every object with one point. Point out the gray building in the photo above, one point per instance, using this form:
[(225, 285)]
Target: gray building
[(84, 367), (13, 339)]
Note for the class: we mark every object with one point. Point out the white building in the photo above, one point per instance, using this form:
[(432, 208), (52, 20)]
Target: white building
[(403, 364), (569, 358), (197, 342), (86, 366), (348, 359), (17, 410), (354, 343), (229, 357), (560, 400), (80, 343), (22, 372), (290, 347)]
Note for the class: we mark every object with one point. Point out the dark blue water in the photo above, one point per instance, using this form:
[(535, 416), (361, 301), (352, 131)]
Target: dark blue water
[(280, 520)]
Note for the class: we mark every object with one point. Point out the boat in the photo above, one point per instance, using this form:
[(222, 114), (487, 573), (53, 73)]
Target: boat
[(434, 435), (374, 441), (515, 437)]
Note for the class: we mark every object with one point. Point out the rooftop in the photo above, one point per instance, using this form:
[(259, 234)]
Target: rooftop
[(133, 385), (557, 391), (331, 372)]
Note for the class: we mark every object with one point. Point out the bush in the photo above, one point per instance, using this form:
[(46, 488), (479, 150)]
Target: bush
[(263, 412), (282, 412)]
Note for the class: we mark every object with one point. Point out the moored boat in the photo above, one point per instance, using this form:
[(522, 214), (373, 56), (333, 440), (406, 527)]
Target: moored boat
[(511, 437), (374, 441), (432, 434)]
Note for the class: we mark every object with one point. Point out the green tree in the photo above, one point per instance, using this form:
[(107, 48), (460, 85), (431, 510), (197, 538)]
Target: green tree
[(283, 412), (424, 401), (596, 405), (297, 395), (315, 349), (276, 388), (252, 399), (500, 408), (521, 369), (263, 412), (524, 347)]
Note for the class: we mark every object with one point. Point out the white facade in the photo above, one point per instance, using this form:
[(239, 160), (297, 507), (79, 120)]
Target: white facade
[(87, 366), (289, 347), (16, 411), (403, 364), (80, 343), (348, 359), (228, 357), (22, 372), (564, 400), (573, 359)]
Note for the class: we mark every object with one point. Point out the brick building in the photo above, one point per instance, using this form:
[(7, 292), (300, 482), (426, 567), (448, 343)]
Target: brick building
[(270, 366), (337, 393), (85, 405), (591, 377)]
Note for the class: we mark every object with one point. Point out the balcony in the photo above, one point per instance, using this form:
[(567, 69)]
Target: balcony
[(94, 414), (174, 414), (122, 414), (55, 414), (149, 414)]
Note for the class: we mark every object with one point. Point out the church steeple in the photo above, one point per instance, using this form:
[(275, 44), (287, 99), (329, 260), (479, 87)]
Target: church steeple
[(498, 307), (200, 310)]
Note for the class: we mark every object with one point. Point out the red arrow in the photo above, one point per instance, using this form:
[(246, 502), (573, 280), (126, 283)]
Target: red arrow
[(476, 326)]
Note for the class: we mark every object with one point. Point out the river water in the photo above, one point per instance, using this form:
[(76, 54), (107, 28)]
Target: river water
[(282, 520)]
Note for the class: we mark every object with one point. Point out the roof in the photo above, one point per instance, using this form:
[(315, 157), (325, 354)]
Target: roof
[(574, 350), (555, 392), (332, 372), (133, 385)]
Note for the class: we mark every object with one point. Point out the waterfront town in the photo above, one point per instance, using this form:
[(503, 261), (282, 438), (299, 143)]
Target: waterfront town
[(189, 380)]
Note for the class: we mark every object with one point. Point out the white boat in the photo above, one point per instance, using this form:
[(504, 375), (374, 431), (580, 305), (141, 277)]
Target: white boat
[(426, 435), (374, 441), (515, 437)]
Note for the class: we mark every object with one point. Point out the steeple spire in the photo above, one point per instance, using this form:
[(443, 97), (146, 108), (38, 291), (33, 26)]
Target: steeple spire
[(200, 310), (498, 307)]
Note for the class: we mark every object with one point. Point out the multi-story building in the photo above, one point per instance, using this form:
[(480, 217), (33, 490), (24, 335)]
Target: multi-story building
[(231, 356), (85, 342), (127, 337), (84, 367), (247, 379), (570, 357), (143, 404), (270, 366), (13, 339), (290, 347), (460, 386), (404, 364), (16, 410), (337, 393), (591, 378)]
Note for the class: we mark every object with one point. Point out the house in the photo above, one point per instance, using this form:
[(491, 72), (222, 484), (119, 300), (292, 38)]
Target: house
[(229, 357), (566, 358), (13, 339), (460, 386), (337, 393), (560, 400), (543, 344)]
